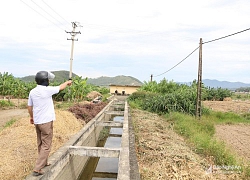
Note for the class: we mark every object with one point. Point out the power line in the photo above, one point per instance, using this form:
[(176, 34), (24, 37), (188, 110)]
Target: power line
[(178, 63), (46, 12), (55, 12), (204, 43), (41, 14), (226, 36)]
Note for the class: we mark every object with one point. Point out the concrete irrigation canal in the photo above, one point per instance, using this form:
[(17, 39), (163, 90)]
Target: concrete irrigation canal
[(103, 149)]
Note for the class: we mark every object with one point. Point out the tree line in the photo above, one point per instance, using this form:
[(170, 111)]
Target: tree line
[(168, 96), (16, 88)]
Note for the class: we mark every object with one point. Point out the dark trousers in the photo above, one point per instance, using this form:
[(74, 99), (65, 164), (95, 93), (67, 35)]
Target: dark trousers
[(44, 140)]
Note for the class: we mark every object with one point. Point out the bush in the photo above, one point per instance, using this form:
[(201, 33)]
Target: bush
[(5, 103), (165, 97)]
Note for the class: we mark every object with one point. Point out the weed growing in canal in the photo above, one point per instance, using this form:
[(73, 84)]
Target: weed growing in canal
[(104, 133)]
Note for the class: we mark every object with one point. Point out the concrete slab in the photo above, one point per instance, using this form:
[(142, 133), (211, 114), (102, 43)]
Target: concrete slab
[(114, 112), (110, 124), (94, 151)]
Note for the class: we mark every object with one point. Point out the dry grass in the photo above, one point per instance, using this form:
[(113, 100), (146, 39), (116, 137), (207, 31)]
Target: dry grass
[(18, 150), (162, 154)]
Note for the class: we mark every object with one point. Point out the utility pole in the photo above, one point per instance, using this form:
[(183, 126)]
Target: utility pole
[(151, 77), (73, 34), (199, 83)]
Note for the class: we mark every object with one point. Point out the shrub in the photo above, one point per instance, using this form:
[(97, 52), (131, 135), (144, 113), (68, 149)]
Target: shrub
[(4, 103)]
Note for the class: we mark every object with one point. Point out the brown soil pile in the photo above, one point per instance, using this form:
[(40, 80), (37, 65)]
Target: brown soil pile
[(162, 154), (86, 112), (18, 150), (92, 95)]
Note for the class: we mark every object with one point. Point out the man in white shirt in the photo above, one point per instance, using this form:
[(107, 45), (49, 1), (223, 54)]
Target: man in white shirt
[(42, 115)]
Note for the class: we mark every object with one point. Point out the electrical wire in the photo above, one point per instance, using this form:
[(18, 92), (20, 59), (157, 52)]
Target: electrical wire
[(204, 43), (226, 36), (179, 62), (41, 14), (47, 12), (55, 12), (127, 30)]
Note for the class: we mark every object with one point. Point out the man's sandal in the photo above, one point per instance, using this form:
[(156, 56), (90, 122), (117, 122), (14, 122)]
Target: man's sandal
[(35, 173)]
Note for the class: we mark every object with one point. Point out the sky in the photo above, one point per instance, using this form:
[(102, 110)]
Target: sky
[(137, 38)]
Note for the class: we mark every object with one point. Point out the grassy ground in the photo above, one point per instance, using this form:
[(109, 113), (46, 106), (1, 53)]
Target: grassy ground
[(241, 96), (200, 133), (177, 146)]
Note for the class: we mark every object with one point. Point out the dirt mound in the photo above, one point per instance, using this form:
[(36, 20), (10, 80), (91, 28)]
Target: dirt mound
[(86, 112), (18, 150), (92, 95)]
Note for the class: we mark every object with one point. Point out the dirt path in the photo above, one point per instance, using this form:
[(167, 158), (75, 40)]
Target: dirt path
[(7, 115)]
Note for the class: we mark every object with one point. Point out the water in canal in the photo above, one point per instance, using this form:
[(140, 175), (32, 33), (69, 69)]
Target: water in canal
[(104, 168)]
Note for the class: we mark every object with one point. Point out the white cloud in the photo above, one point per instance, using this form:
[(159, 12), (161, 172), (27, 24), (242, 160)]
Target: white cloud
[(138, 37)]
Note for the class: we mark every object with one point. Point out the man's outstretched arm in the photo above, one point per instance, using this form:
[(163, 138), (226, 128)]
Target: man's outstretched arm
[(65, 84)]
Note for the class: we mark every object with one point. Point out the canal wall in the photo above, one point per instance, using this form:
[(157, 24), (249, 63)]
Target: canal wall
[(68, 162)]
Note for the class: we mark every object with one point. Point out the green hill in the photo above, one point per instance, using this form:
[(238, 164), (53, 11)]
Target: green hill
[(117, 80), (61, 76)]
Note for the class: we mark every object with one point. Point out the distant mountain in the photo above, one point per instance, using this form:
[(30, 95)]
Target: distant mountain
[(61, 76), (224, 84), (30, 78), (117, 80)]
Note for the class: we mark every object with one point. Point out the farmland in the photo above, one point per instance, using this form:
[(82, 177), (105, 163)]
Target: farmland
[(170, 142), (229, 106), (235, 136), (174, 157), (163, 154), (209, 137)]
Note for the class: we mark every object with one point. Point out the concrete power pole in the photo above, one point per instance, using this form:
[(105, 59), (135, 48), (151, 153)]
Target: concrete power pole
[(199, 83), (73, 34)]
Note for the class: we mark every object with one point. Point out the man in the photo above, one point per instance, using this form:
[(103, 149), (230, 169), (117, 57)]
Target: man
[(42, 115)]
